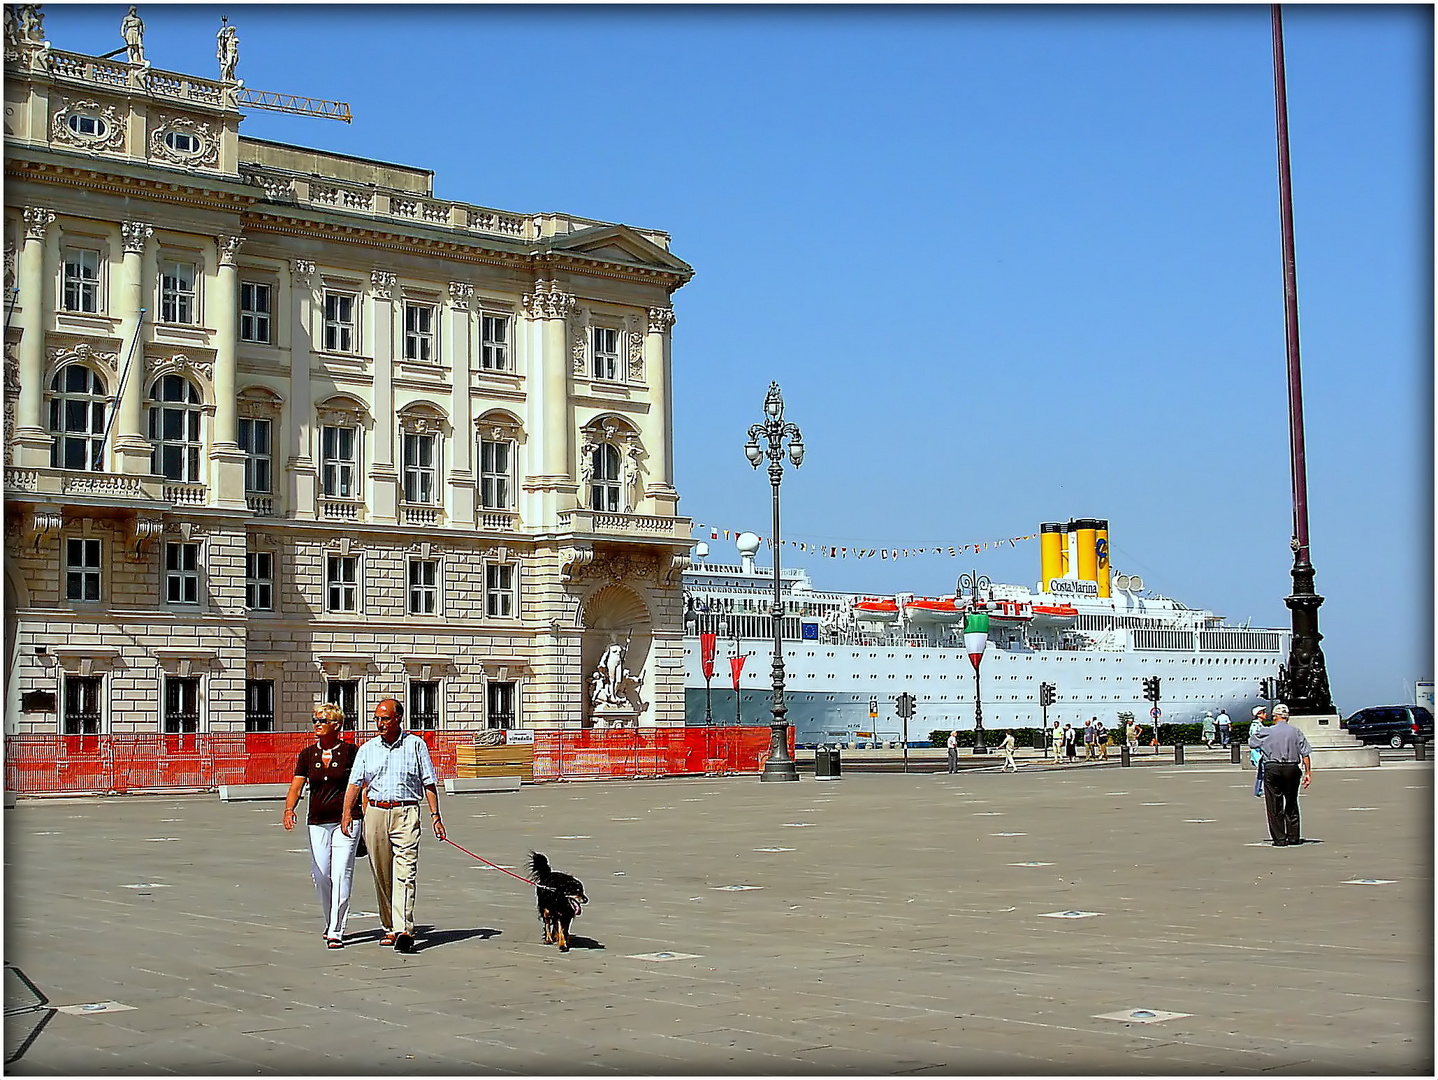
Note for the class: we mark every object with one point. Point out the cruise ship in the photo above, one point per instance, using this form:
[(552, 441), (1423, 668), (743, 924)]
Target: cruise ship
[(1092, 633)]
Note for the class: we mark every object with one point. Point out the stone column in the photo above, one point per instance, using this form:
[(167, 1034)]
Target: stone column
[(461, 476), (553, 475), (132, 446), (228, 460), (32, 443), (303, 475), (664, 500), (384, 477)]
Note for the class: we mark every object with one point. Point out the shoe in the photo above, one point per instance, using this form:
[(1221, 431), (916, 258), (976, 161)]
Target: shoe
[(388, 938), (334, 943), (1280, 843), (404, 943)]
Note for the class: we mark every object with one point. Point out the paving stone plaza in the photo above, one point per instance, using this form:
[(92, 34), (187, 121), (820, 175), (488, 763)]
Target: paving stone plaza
[(1074, 920)]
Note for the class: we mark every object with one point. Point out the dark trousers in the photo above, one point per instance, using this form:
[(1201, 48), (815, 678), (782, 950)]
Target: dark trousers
[(953, 760), (1280, 795)]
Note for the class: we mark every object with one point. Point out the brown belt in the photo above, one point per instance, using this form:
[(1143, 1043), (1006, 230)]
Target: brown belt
[(390, 805)]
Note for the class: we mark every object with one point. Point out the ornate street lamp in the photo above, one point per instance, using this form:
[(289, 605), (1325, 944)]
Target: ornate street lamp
[(1303, 685), (779, 766), (976, 639)]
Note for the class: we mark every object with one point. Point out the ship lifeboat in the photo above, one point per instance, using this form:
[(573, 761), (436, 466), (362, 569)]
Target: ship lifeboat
[(1011, 612), (876, 609), (1054, 615), (926, 609)]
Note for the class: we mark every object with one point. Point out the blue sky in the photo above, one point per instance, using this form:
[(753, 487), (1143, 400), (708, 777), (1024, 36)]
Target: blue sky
[(1008, 264)]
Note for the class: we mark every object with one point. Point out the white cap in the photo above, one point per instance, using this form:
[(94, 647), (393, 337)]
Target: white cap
[(1280, 710), (1258, 711)]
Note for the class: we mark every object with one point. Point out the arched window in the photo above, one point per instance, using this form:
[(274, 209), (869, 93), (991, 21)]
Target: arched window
[(77, 419), (604, 483), (175, 411)]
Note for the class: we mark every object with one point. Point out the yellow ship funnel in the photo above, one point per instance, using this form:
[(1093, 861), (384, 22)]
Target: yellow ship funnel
[(1087, 529), (1051, 552), (1101, 550)]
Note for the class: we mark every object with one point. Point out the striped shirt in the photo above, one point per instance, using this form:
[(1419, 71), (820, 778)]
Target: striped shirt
[(1282, 743), (394, 773)]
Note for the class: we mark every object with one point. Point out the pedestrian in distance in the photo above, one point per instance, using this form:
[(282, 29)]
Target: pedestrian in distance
[(1225, 727), (1255, 755), (1056, 739), (395, 769), (1210, 729), (1285, 755), (1007, 746), (325, 768), (1100, 738), (1070, 743), (1088, 739), (953, 745)]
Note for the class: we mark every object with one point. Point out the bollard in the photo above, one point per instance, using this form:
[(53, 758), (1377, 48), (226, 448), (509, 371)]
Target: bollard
[(1178, 753), (1233, 752), (1123, 756), (1420, 750)]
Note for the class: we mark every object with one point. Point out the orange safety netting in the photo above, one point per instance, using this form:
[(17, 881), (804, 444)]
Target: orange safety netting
[(115, 764)]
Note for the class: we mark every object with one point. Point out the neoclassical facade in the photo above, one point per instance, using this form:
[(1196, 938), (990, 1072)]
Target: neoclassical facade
[(280, 425)]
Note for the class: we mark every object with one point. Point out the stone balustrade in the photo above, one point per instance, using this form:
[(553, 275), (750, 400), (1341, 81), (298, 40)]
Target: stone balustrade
[(633, 526)]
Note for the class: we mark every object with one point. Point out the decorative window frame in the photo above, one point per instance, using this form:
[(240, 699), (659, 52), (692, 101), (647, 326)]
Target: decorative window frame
[(343, 411), (514, 670), (412, 559), (423, 418), (207, 154), (196, 261), (610, 429), (431, 302), (501, 427), (273, 582), (510, 317), (101, 247), (607, 326), (101, 366), (185, 539), (102, 570), (250, 275), (343, 548), (200, 374), (502, 556), (60, 131), (429, 669)]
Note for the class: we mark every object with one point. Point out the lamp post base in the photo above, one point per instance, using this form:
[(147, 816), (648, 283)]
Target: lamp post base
[(778, 771), (981, 749)]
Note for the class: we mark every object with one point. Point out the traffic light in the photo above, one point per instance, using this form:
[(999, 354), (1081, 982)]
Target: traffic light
[(1047, 694), (1265, 689), (906, 705), (1150, 688)]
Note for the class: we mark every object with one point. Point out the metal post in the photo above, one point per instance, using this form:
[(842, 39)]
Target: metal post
[(906, 744), (1305, 685), (779, 766)]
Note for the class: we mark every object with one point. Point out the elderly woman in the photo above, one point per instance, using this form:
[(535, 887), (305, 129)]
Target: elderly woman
[(325, 766)]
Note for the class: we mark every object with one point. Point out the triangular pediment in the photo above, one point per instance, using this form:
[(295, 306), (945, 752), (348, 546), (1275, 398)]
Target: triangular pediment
[(619, 243)]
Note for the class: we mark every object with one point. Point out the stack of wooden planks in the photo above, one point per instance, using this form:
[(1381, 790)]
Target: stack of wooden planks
[(495, 761)]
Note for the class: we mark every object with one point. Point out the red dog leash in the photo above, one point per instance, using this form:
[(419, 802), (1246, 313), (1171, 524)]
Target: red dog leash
[(486, 862)]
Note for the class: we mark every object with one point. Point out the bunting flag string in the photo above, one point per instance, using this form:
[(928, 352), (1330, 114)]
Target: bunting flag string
[(834, 551)]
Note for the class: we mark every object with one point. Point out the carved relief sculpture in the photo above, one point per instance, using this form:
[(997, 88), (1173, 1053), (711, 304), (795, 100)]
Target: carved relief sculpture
[(229, 247), (113, 133), (134, 235), (203, 142), (37, 220), (460, 295), (382, 284)]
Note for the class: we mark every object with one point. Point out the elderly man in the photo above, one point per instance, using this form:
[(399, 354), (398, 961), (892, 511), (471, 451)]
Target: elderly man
[(1284, 750), (396, 769)]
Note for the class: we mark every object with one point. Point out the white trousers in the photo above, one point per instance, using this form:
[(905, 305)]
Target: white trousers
[(332, 865)]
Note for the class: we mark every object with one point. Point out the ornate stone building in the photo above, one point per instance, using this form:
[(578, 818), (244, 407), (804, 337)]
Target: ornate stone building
[(281, 424)]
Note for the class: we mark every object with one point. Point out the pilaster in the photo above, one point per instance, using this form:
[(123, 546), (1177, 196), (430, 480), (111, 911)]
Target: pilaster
[(383, 474), (32, 443), (664, 500), (226, 457), (461, 478), (553, 479), (303, 477)]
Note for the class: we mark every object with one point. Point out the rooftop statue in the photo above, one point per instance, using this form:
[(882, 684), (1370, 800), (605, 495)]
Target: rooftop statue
[(228, 49), (31, 22), (132, 29)]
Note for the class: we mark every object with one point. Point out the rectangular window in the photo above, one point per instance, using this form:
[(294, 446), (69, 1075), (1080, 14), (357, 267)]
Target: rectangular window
[(182, 573), (423, 586), (419, 332), (182, 705), (255, 312), (259, 705), (494, 475), (340, 333), (341, 583), (419, 471), (82, 705), (255, 442), (499, 590), (82, 280), (345, 694), (499, 697), (605, 340), (424, 705), (177, 292), (338, 461), (260, 580), (82, 568), (494, 342)]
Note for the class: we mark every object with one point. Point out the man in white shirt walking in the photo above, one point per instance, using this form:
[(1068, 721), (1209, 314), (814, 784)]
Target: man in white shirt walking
[(396, 769), (1007, 746)]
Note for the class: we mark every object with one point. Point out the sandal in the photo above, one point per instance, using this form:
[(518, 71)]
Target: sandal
[(387, 940), (334, 943)]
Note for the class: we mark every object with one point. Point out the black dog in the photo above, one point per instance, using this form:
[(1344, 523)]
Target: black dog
[(559, 897)]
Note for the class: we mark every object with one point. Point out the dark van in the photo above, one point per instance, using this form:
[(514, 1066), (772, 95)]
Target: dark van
[(1396, 725)]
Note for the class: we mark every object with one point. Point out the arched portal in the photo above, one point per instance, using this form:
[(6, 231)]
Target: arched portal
[(616, 640)]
